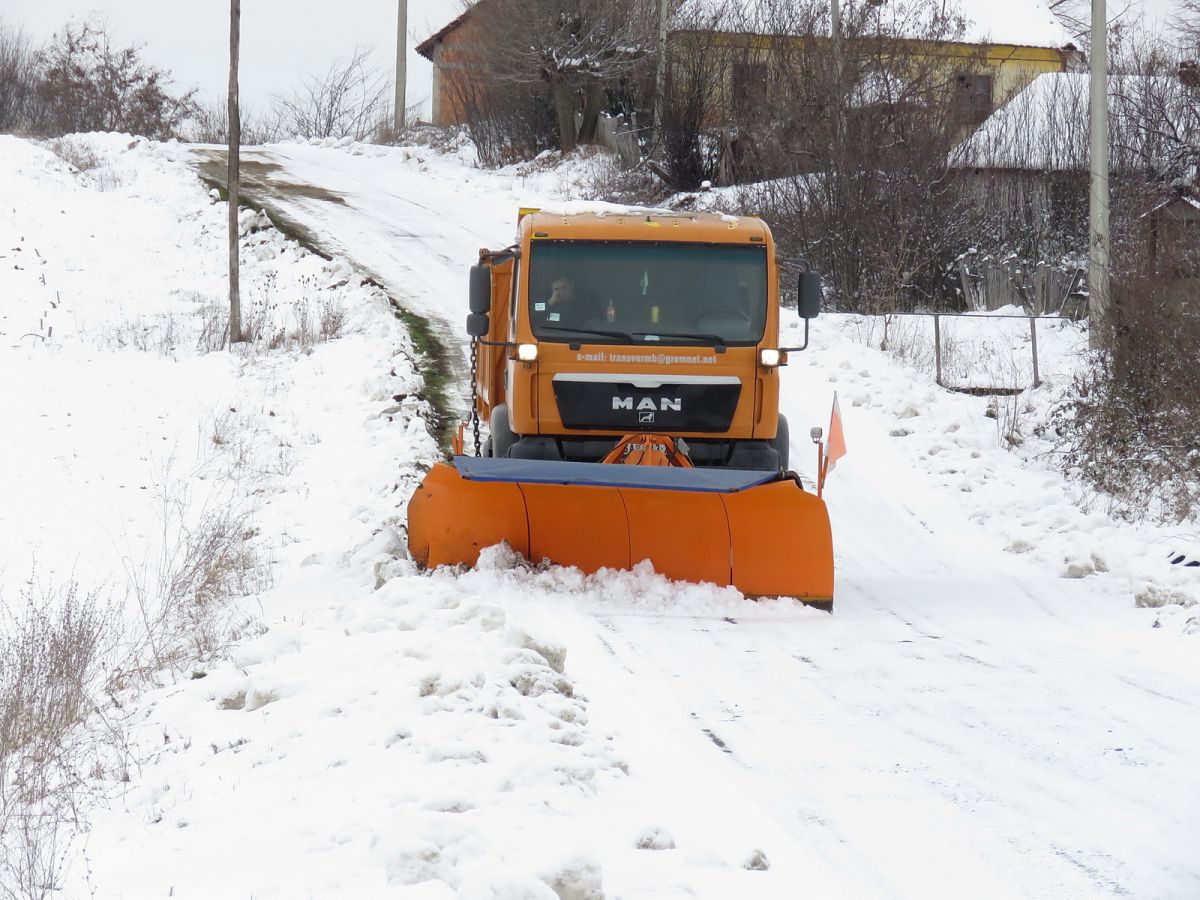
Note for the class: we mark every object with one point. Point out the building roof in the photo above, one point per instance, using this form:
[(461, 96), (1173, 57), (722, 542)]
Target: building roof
[(426, 47), (1045, 127), (1179, 199), (1021, 23)]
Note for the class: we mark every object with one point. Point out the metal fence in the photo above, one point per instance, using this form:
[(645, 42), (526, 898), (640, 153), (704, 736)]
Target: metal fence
[(981, 390)]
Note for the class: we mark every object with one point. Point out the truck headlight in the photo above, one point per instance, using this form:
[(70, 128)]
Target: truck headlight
[(527, 352), (769, 358)]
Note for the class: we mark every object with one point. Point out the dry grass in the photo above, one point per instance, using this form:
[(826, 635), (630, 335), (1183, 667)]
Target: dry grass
[(207, 556), (62, 651), (309, 317), (54, 654), (159, 334), (86, 162)]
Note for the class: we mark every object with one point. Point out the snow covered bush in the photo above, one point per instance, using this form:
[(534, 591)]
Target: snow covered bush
[(1130, 429)]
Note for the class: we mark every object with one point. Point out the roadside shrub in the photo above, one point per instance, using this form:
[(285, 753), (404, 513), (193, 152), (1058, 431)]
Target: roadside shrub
[(352, 99), (507, 123), (210, 125), (1130, 428), (82, 81), (86, 83)]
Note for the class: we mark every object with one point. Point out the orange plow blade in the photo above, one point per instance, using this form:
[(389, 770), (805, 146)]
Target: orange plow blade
[(756, 531)]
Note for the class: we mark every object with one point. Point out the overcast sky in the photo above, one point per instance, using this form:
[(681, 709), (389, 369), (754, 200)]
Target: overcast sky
[(281, 39)]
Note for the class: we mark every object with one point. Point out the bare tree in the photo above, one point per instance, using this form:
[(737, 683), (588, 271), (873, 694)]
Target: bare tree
[(854, 150), (352, 99), (1075, 16), (577, 49), (18, 76)]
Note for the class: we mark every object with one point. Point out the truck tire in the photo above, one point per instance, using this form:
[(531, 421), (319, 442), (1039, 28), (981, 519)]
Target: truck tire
[(782, 442), (502, 435)]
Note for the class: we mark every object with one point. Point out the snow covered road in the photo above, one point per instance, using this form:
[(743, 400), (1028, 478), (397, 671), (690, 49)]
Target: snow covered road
[(967, 723)]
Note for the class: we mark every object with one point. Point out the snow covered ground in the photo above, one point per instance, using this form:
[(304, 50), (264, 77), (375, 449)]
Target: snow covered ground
[(987, 713)]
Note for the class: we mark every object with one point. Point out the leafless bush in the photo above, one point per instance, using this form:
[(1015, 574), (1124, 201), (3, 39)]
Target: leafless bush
[(260, 321), (86, 83), (507, 122), (214, 328), (77, 153), (312, 315), (388, 133), (159, 334), (92, 167), (54, 652), (1011, 413), (205, 558), (1130, 428), (442, 138), (331, 316), (607, 179), (352, 99), (210, 125)]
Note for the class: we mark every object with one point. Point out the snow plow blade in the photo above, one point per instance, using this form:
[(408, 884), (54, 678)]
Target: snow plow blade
[(757, 531)]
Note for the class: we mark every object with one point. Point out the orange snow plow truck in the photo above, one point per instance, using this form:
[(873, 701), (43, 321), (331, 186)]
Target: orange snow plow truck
[(627, 368)]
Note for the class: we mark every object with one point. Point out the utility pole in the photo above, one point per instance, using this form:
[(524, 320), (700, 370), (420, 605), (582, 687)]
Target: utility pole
[(1100, 252), (401, 64), (835, 28), (234, 175), (660, 76), (835, 31)]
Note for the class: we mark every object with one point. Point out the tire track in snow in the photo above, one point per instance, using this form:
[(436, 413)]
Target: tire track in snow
[(951, 765)]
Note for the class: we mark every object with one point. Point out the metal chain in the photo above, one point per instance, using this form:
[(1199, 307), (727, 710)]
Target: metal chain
[(475, 394)]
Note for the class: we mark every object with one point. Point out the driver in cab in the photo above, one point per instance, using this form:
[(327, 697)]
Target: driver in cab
[(561, 306)]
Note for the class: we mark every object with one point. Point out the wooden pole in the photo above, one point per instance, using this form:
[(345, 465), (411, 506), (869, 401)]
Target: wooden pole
[(1099, 256), (401, 65), (660, 75), (234, 177), (835, 33)]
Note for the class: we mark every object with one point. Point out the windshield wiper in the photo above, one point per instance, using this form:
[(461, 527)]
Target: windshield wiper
[(625, 336), (717, 341)]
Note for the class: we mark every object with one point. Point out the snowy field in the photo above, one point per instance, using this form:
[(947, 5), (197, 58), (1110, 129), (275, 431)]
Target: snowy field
[(989, 712)]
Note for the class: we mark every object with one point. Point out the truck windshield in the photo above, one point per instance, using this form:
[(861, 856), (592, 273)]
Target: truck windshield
[(666, 293)]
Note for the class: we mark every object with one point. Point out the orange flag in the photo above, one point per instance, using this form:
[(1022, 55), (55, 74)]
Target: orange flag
[(835, 443)]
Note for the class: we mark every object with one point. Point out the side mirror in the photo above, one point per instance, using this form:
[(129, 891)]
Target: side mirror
[(808, 295), (481, 290), (477, 325)]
